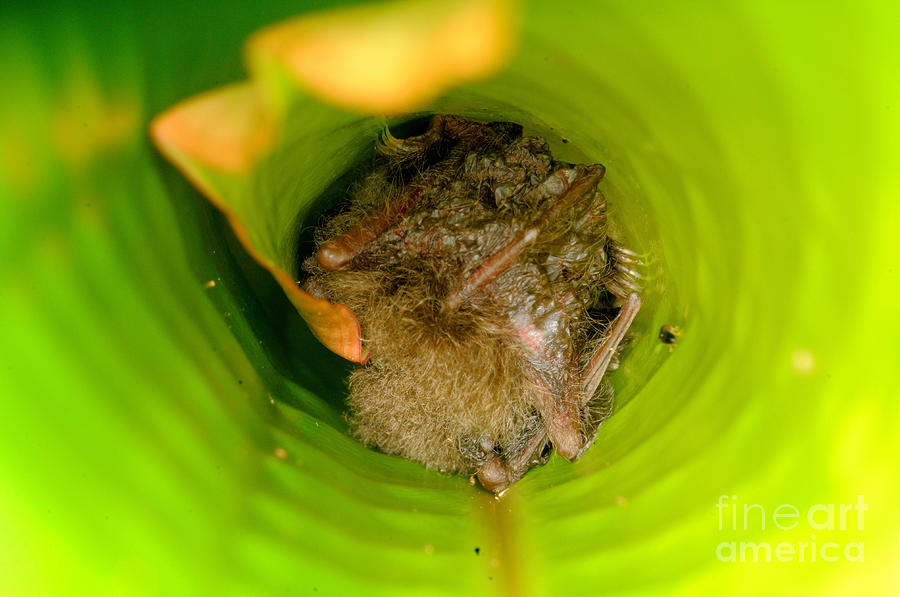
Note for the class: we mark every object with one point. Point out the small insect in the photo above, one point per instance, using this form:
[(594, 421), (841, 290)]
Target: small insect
[(669, 334), (490, 296)]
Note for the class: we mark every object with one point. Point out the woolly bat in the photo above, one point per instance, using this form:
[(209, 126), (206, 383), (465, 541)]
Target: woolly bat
[(490, 296)]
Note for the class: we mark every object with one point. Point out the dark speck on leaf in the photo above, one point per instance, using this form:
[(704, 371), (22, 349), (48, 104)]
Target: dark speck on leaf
[(669, 334), (477, 550)]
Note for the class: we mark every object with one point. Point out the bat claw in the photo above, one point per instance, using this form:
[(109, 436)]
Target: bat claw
[(567, 441), (493, 475)]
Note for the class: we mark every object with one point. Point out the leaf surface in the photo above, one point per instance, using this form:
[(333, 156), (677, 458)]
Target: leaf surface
[(163, 435)]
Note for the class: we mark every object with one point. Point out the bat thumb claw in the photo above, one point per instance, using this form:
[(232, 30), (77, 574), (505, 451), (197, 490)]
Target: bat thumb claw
[(567, 442), (493, 475)]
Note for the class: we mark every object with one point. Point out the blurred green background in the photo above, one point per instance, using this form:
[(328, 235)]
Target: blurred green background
[(163, 436)]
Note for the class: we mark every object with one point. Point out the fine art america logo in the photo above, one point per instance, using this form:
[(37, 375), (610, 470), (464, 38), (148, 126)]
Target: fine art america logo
[(735, 516)]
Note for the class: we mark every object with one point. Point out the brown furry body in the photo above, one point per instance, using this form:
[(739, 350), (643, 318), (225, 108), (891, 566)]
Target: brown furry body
[(467, 360)]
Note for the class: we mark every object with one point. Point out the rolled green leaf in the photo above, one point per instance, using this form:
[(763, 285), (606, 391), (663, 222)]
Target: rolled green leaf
[(170, 425)]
